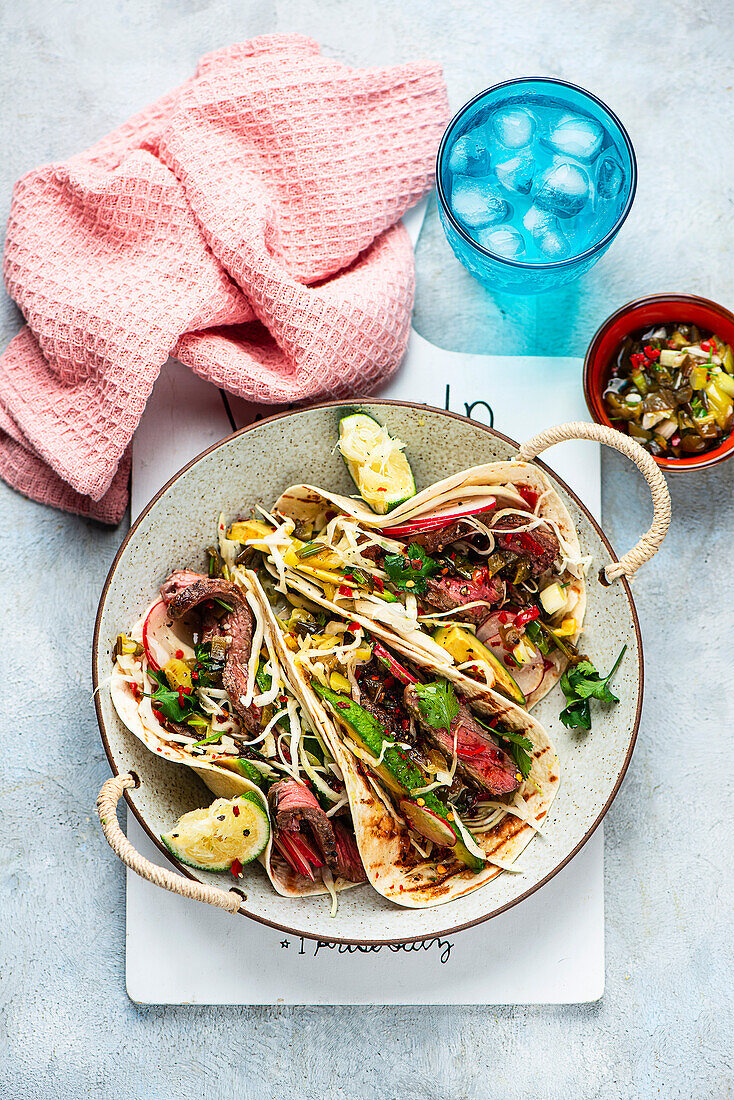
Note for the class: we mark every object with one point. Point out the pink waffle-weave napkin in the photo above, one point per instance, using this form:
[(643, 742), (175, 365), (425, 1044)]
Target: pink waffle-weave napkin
[(246, 223)]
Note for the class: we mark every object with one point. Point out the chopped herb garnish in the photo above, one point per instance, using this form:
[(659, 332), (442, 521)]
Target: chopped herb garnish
[(516, 744), (438, 703), (222, 603), (172, 704), (207, 671), (520, 749), (310, 549), (409, 572), (580, 685)]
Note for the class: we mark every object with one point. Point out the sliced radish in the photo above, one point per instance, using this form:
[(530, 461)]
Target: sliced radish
[(298, 853), (441, 518), (392, 665), (428, 824), (528, 677), (161, 641)]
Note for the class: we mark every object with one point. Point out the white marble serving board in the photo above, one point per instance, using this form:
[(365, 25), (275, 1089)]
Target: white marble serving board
[(178, 951)]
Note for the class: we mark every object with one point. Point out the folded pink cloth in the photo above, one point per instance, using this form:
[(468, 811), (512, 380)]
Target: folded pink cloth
[(246, 223)]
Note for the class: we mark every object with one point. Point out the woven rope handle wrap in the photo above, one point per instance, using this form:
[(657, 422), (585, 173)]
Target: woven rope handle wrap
[(107, 800), (650, 542)]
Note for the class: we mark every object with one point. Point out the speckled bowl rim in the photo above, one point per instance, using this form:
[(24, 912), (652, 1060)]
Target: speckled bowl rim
[(453, 929)]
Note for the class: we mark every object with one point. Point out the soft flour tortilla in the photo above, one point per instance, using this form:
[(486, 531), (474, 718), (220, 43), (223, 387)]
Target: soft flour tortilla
[(469, 488), (219, 778), (393, 866)]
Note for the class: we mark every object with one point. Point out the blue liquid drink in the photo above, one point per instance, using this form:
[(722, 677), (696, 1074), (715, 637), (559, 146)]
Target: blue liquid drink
[(535, 177)]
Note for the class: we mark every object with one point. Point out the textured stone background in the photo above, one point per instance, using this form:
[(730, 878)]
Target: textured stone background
[(70, 71)]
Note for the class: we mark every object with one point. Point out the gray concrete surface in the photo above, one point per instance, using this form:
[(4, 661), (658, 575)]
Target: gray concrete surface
[(71, 70)]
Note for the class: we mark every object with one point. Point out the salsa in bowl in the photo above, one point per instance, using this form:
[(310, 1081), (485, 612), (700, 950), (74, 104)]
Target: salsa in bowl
[(662, 371)]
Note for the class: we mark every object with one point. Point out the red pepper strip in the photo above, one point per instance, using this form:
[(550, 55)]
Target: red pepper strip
[(706, 345), (344, 591), (651, 352), (526, 542), (158, 715), (528, 495), (467, 753), (526, 616), (236, 868), (179, 654), (378, 583)]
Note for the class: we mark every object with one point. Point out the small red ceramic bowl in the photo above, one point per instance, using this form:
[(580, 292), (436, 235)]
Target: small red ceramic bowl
[(656, 310)]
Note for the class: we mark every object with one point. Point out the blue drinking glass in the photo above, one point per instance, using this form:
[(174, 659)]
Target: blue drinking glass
[(535, 178)]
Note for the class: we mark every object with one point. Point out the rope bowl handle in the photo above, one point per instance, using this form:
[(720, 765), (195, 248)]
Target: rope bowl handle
[(107, 801), (650, 542)]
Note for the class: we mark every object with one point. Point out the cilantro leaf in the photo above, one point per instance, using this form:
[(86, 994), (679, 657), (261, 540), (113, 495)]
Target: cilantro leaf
[(207, 670), (409, 572), (520, 749), (582, 683), (438, 703), (167, 702), (517, 745), (577, 715)]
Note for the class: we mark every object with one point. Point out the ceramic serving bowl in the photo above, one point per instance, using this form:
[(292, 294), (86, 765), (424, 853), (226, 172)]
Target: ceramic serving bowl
[(253, 466), (644, 313)]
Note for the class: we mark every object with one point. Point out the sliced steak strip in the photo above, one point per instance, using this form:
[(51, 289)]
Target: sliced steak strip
[(237, 624), (293, 806), (348, 860), (449, 593), (178, 581), (479, 758), (434, 541), (540, 547)]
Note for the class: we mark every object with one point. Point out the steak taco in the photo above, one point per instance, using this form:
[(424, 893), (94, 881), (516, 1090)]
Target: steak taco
[(482, 570), (200, 680), (445, 790)]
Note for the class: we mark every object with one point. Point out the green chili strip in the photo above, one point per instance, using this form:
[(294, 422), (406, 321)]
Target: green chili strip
[(310, 549)]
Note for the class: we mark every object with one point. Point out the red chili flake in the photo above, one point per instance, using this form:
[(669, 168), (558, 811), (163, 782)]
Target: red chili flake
[(638, 360), (506, 617), (353, 627), (343, 590), (179, 654), (236, 868), (349, 576), (651, 352), (706, 345), (194, 676), (381, 489), (713, 345), (158, 715), (236, 811), (416, 563)]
